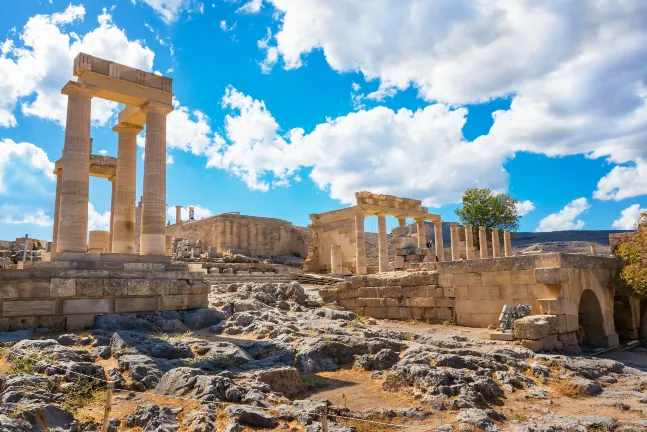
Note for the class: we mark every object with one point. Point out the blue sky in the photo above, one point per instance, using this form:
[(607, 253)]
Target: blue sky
[(286, 108)]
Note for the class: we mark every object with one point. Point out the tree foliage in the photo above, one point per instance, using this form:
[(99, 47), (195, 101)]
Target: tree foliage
[(634, 254), (481, 207)]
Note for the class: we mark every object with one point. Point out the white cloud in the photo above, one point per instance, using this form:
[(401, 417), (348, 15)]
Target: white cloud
[(170, 10), (565, 219), (404, 153), (98, 221), (12, 214), (41, 64), (252, 6), (628, 218), (525, 207), (271, 52), (577, 89), (23, 166), (623, 182), (224, 27), (199, 212), (103, 152)]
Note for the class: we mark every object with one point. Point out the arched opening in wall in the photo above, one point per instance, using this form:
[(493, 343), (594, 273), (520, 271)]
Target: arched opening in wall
[(591, 320), (623, 318)]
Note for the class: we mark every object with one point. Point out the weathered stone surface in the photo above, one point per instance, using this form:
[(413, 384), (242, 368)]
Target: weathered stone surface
[(178, 382), (535, 327), (135, 304), (284, 380), (551, 276), (251, 416), (85, 306), (28, 308), (202, 318), (61, 288)]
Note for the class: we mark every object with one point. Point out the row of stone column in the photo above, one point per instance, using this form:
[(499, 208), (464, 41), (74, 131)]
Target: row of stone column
[(483, 250), (72, 228)]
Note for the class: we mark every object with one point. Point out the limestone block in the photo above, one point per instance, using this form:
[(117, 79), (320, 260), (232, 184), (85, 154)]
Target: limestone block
[(467, 279), (349, 294), (24, 288), (550, 342), (28, 308), (484, 320), (376, 312), (535, 327), (115, 287), (444, 313), (404, 242), (449, 292), (399, 261), (389, 292), (421, 302), (168, 287), (446, 280), (445, 302), (135, 304), (62, 287), (401, 232), (369, 292), (4, 324), (496, 278), (533, 345), (89, 287), (437, 292), (482, 292), (140, 287), (394, 302), (430, 314), (523, 277), (79, 322), (551, 276), (554, 306), (181, 302), (144, 267), (53, 323), (399, 313), (502, 336), (22, 323), (85, 306)]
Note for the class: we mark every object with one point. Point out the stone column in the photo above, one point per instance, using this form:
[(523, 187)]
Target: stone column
[(438, 235), (483, 242), (507, 243), (111, 234), (421, 233), (593, 248), (57, 205), (73, 213), (125, 236), (402, 222), (336, 266), (178, 215), (496, 247), (456, 247), (360, 245), (382, 244), (153, 238), (469, 242)]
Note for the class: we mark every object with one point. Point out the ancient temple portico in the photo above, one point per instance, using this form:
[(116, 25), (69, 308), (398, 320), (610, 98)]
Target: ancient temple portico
[(148, 99)]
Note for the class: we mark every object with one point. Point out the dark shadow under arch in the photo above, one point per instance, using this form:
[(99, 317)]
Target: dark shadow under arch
[(591, 319), (623, 317)]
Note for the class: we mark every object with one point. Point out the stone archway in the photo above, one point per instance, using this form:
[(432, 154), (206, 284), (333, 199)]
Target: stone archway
[(623, 317), (591, 320)]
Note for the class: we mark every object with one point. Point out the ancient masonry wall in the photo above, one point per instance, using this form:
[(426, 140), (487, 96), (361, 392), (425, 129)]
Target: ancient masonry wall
[(473, 292), (249, 235), (70, 299)]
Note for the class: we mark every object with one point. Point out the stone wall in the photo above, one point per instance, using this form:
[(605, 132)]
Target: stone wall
[(69, 299), (249, 235)]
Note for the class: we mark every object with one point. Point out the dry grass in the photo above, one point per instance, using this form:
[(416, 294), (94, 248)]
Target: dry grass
[(565, 387)]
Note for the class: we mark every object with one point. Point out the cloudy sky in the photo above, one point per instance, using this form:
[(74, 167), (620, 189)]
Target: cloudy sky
[(288, 107)]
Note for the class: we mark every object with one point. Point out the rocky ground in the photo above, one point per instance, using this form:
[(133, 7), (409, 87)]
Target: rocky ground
[(268, 357)]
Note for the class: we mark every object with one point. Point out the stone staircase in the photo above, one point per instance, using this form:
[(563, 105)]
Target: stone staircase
[(226, 279)]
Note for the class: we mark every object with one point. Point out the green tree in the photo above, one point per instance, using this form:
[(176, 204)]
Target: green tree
[(481, 207), (634, 254)]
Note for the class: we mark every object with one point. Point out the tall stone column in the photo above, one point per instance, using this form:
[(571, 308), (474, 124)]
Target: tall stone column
[(496, 247), (456, 245), (336, 266), (360, 245), (111, 234), (483, 242), (469, 242), (125, 235), (73, 213), (178, 215), (438, 236), (507, 243), (153, 238), (421, 233), (402, 222), (382, 244), (57, 211)]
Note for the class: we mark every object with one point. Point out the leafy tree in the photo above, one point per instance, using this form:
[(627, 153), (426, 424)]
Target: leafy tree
[(483, 208), (634, 253)]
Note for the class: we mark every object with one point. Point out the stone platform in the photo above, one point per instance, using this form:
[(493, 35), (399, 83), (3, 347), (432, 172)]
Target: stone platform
[(69, 294)]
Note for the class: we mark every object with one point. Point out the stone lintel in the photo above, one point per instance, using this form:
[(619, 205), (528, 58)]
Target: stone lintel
[(123, 127), (73, 86)]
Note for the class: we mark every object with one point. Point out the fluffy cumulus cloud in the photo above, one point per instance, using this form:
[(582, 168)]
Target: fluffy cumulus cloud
[(628, 218), (24, 167), (576, 89), (565, 219), (15, 215), (37, 63), (170, 10), (525, 207), (405, 153), (199, 213), (97, 220)]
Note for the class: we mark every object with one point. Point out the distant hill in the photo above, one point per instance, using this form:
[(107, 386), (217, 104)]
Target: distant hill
[(526, 238)]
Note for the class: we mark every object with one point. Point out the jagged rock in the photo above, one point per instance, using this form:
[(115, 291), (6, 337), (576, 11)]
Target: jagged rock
[(153, 418), (211, 388), (117, 322), (48, 347), (126, 342), (202, 318), (178, 381), (233, 426), (219, 355), (69, 339), (478, 418), (200, 422), (383, 360), (324, 356), (103, 351), (251, 416), (13, 425), (332, 427), (15, 336), (335, 314), (47, 417), (170, 326), (285, 380), (145, 370), (585, 386)]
